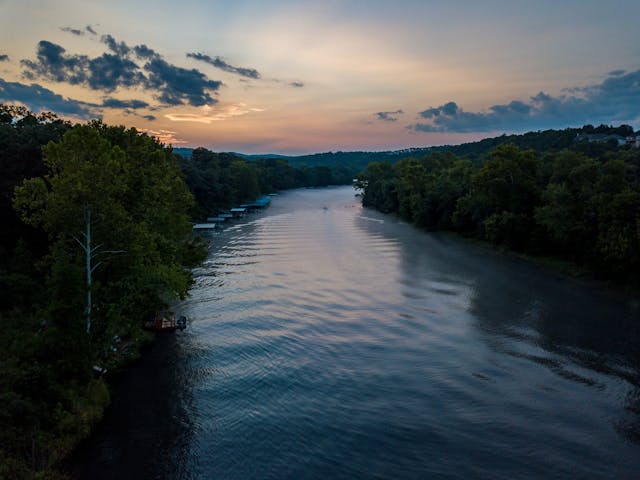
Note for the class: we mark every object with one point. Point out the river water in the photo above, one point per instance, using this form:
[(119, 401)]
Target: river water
[(329, 341)]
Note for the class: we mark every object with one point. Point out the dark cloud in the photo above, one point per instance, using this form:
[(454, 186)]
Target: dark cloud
[(130, 104), (4, 58), (296, 84), (119, 48), (144, 52), (447, 109), (108, 72), (123, 66), (178, 85), (616, 99), (74, 31), (90, 29), (151, 118), (53, 64), (38, 98), (222, 65), (388, 116)]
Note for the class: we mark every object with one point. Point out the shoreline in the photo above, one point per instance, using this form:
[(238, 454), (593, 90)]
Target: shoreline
[(120, 366), (565, 269)]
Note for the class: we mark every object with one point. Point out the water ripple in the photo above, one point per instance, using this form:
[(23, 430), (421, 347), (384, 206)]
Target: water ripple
[(341, 343)]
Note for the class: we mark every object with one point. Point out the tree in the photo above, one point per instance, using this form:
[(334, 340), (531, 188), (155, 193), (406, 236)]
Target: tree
[(504, 193), (378, 185), (568, 212), (125, 191)]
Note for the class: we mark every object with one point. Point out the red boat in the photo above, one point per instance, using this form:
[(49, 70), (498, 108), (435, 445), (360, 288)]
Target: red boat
[(166, 322)]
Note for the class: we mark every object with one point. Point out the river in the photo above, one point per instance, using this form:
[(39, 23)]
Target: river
[(329, 341)]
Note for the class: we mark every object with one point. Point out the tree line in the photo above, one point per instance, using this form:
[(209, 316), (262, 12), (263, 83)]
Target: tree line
[(79, 199), (222, 180), (560, 203)]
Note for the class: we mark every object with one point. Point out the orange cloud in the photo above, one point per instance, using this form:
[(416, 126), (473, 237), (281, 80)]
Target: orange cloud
[(167, 137), (210, 115)]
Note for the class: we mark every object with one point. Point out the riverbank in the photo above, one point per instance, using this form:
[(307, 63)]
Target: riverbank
[(553, 265), (123, 355), (143, 404)]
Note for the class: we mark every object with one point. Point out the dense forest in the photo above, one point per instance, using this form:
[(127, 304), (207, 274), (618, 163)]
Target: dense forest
[(345, 165), (579, 204), (76, 199)]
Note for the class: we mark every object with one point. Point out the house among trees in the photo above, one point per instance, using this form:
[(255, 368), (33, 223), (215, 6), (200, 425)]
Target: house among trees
[(622, 135), (601, 138), (634, 140)]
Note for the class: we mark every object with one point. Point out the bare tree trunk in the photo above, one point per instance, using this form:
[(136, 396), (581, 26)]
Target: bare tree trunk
[(91, 252), (87, 221)]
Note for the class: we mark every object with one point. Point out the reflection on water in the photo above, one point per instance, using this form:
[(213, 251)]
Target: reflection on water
[(341, 343)]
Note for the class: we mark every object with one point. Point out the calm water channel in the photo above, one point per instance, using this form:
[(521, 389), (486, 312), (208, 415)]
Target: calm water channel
[(329, 341)]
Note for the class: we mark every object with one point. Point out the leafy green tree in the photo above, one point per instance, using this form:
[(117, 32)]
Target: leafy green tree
[(568, 211), (244, 181), (22, 134), (138, 204), (379, 187), (412, 182), (504, 193)]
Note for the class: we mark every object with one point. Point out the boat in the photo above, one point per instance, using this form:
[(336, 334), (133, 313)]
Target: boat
[(166, 322)]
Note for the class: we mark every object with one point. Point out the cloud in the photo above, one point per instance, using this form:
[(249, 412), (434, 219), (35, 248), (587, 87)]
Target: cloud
[(151, 118), (288, 83), (108, 72), (178, 85), (168, 137), (616, 99), (132, 104), (73, 31), (209, 115), (120, 49), (79, 32), (38, 98), (53, 64), (4, 58), (389, 116), (222, 65), (144, 52), (123, 67)]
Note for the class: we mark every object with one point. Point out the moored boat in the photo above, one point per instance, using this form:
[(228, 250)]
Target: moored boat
[(166, 322)]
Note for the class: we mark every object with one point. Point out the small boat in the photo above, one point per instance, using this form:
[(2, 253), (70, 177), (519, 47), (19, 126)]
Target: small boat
[(166, 322)]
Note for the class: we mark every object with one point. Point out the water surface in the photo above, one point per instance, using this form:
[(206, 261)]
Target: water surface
[(331, 341)]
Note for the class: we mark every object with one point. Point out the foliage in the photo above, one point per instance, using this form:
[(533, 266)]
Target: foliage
[(22, 134), (141, 229), (219, 181), (564, 203)]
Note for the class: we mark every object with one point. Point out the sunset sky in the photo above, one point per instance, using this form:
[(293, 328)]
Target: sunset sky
[(300, 76)]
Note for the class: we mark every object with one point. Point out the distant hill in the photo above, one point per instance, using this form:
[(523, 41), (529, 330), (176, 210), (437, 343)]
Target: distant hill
[(261, 155), (183, 152), (542, 141)]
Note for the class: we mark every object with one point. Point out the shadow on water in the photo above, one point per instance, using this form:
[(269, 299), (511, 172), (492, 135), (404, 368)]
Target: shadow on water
[(577, 331), (146, 431)]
